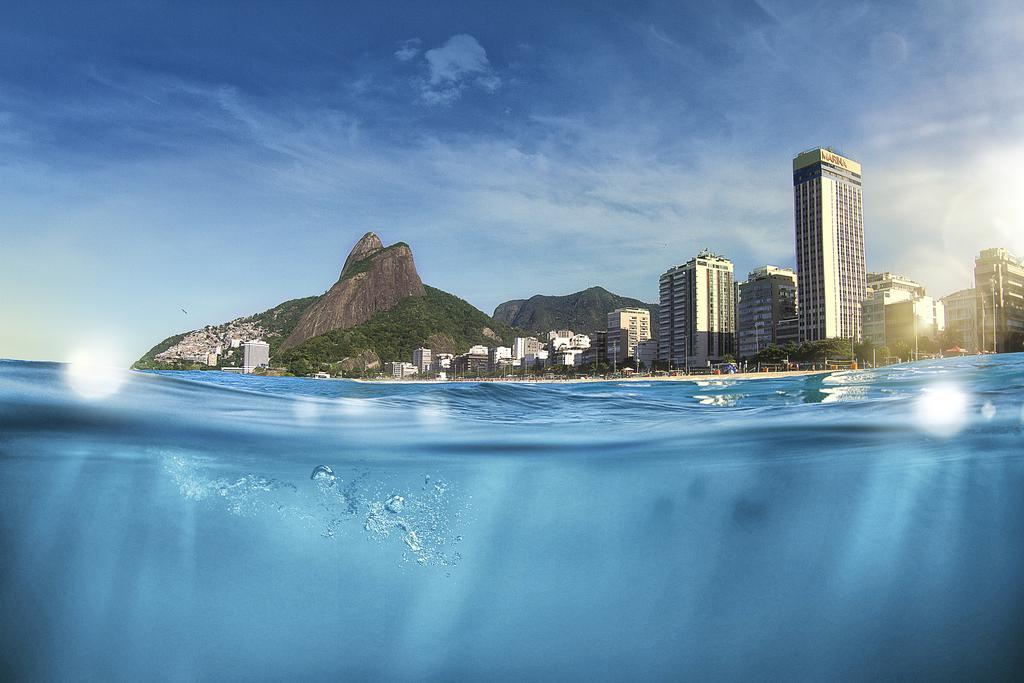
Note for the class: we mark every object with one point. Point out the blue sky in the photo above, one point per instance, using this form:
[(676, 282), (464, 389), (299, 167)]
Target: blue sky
[(223, 157)]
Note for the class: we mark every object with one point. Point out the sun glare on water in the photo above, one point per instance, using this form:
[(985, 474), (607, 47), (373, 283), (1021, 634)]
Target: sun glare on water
[(91, 378), (942, 410)]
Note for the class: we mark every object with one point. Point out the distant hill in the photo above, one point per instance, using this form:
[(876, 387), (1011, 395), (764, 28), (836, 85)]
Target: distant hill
[(584, 311), (378, 310), (272, 326), (438, 320)]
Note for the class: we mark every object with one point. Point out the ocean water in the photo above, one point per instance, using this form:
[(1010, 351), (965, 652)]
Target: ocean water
[(202, 526)]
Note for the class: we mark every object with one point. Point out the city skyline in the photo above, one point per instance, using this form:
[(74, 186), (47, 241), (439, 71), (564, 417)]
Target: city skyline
[(151, 163)]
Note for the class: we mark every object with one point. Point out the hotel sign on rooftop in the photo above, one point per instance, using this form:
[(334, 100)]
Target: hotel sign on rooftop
[(821, 155)]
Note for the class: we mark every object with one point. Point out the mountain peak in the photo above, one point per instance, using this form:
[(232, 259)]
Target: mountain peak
[(365, 247), (373, 279)]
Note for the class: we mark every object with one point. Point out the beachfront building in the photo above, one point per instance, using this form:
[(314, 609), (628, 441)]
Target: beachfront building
[(787, 331), (647, 352), (999, 281), (475, 362), (559, 339), (696, 319), (579, 341), (534, 359), (961, 311), (829, 235), (255, 354), (884, 289), (908, 322), (767, 297), (400, 370), (597, 352), (421, 358), (524, 345), (499, 357), (442, 362), (896, 310), (627, 327), (568, 357)]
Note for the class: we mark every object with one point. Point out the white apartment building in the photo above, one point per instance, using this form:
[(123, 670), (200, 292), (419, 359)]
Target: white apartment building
[(627, 327), (697, 320), (524, 345)]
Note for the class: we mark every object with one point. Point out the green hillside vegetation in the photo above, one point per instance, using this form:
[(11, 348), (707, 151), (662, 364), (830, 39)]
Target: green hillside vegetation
[(278, 321), (394, 333), (147, 361), (583, 312)]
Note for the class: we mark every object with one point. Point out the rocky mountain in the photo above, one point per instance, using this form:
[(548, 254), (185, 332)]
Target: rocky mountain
[(440, 321), (374, 279), (584, 311), (378, 310)]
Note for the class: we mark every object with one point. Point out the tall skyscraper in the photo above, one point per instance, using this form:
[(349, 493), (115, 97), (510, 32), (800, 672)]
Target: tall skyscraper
[(627, 327), (767, 297), (696, 319), (829, 220), (999, 281)]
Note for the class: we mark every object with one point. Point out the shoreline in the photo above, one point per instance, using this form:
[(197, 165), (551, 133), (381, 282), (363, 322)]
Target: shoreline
[(580, 380)]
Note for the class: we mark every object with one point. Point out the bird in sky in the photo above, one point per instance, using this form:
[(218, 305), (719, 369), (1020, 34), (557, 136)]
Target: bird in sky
[(184, 311)]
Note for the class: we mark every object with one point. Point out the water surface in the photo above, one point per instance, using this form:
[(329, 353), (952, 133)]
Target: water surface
[(863, 525)]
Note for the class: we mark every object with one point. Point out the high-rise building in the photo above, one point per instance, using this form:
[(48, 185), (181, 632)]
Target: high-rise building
[(999, 281), (627, 327), (255, 354), (961, 310), (696, 320), (421, 358), (829, 221), (766, 297)]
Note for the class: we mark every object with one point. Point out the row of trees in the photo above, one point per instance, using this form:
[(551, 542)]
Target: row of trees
[(840, 349)]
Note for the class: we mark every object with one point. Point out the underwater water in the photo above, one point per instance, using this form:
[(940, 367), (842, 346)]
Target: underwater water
[(182, 526)]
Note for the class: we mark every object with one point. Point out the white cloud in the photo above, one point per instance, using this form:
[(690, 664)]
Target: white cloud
[(451, 68), (408, 49)]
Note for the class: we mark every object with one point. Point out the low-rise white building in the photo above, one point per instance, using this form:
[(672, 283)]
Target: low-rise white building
[(400, 370), (525, 345), (579, 341), (568, 357)]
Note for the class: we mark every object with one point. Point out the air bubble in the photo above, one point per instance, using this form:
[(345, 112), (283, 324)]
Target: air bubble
[(323, 473)]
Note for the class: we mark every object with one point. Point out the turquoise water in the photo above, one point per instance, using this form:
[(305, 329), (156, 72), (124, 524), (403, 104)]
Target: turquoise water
[(865, 525)]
